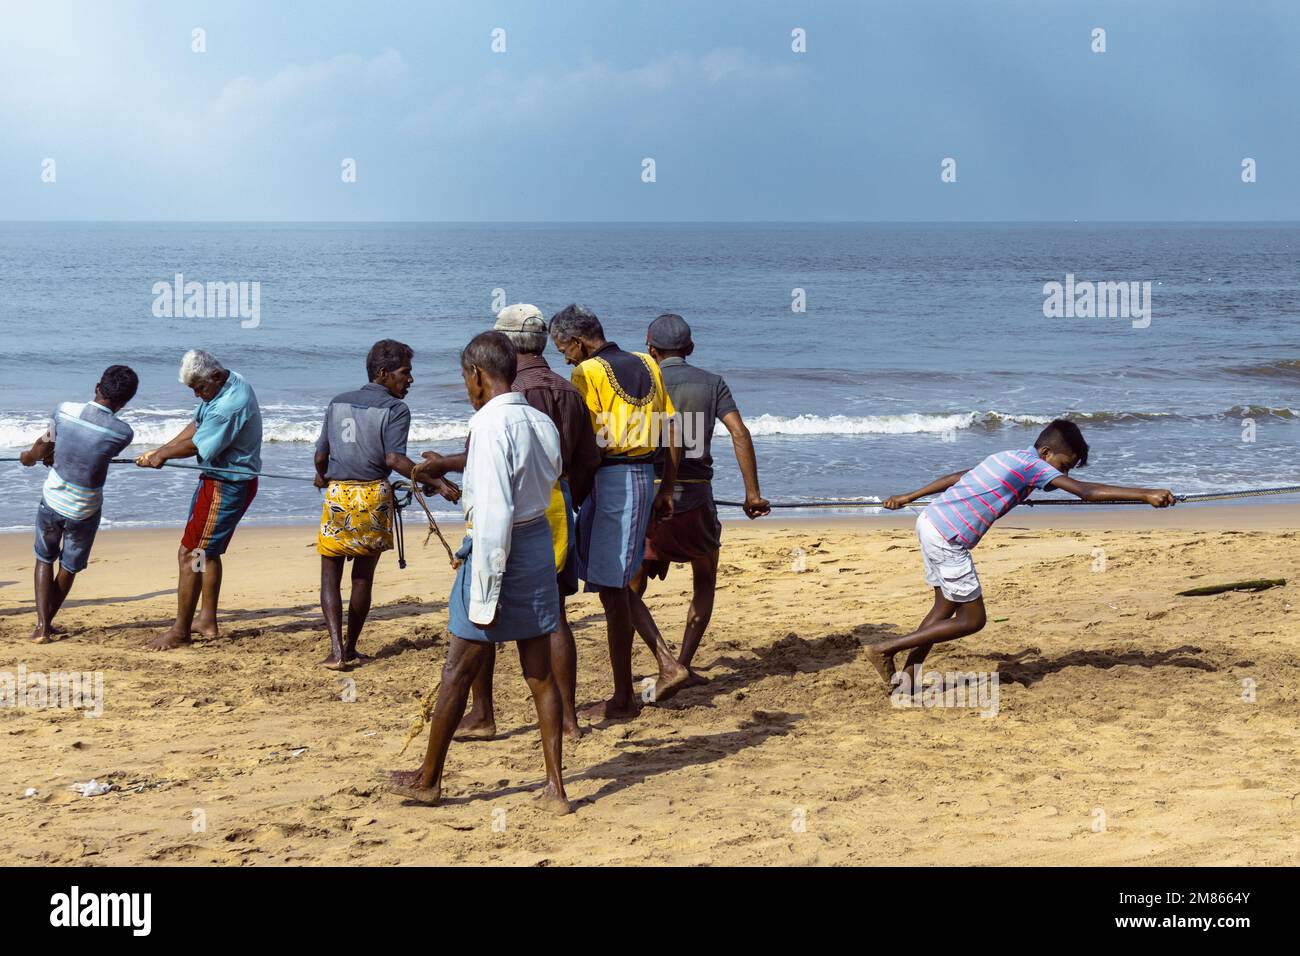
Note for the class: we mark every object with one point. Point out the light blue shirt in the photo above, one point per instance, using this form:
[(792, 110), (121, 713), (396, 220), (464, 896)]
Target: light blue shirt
[(230, 431), (988, 491)]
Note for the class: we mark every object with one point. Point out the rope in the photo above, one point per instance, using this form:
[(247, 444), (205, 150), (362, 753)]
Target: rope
[(414, 492), (243, 473), (921, 502)]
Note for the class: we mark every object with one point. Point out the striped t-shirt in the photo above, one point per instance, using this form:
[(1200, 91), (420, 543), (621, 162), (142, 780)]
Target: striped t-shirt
[(86, 435), (988, 491)]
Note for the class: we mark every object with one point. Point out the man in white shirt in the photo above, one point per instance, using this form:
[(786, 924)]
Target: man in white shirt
[(505, 588)]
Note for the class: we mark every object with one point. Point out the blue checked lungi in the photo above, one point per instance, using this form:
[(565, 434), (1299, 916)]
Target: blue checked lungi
[(612, 524), (529, 605)]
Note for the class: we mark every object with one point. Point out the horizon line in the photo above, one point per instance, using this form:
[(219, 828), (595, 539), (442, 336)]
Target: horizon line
[(651, 222)]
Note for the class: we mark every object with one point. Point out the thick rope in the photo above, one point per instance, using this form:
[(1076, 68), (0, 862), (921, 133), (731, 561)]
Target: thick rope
[(921, 502), (823, 503)]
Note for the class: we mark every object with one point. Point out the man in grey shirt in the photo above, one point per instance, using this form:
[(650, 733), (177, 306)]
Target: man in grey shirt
[(693, 533), (362, 441), (82, 439)]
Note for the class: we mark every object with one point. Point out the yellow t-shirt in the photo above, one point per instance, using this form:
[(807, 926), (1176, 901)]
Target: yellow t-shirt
[(629, 405)]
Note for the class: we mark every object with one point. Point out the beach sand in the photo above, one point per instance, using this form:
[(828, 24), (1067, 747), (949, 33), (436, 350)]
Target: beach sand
[(1123, 733)]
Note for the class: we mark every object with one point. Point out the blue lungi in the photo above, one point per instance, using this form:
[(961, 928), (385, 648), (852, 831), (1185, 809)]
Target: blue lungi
[(529, 605), (612, 524)]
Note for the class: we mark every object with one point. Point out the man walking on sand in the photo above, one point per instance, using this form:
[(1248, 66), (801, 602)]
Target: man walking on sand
[(554, 396), (505, 589), (631, 416), (693, 535), (226, 439)]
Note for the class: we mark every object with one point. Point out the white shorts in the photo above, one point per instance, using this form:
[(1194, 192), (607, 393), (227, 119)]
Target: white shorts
[(948, 564)]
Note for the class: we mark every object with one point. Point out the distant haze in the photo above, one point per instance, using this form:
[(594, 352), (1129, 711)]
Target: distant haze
[(739, 126)]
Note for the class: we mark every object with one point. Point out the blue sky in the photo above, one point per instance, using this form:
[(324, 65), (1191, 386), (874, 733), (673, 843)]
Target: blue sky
[(740, 127)]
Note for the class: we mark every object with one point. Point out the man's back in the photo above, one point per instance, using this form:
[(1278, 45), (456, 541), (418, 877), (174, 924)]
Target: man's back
[(626, 398), (230, 429), (557, 398), (514, 451), (700, 398), (86, 436), (361, 428)]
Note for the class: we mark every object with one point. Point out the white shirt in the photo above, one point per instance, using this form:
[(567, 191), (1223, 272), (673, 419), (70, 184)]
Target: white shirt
[(512, 465)]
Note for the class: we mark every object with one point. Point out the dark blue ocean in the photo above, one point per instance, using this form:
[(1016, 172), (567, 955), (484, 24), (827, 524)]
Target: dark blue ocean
[(922, 347)]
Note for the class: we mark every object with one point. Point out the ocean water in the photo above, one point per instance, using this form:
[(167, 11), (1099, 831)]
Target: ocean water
[(922, 347)]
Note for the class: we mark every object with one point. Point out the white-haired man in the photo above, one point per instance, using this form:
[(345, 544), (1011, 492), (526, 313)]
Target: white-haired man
[(226, 438)]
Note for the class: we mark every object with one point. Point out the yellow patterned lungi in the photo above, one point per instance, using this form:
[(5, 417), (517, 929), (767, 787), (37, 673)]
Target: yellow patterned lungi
[(356, 519)]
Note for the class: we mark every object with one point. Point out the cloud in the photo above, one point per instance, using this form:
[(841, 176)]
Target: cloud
[(504, 98), (335, 86)]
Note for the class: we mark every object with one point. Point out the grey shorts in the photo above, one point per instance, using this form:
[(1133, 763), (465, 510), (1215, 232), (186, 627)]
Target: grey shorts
[(948, 564), (66, 540)]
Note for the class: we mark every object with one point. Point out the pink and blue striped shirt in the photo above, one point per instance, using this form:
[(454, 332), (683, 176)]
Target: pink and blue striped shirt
[(984, 494)]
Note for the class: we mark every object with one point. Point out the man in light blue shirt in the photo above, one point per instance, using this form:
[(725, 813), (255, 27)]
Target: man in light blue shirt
[(226, 438)]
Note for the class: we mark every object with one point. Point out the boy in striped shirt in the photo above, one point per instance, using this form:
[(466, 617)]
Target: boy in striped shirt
[(82, 439), (968, 503)]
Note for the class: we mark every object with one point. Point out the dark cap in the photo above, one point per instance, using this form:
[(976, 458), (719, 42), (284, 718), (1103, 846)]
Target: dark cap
[(669, 333)]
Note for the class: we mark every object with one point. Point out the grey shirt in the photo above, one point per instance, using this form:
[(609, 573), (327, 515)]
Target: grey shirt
[(86, 436), (361, 428), (700, 398)]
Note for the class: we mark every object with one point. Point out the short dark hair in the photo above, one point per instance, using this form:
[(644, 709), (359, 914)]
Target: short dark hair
[(492, 352), (575, 321), (387, 355), (1063, 435), (118, 384)]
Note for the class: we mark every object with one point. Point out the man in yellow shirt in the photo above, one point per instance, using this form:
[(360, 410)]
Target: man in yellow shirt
[(632, 416)]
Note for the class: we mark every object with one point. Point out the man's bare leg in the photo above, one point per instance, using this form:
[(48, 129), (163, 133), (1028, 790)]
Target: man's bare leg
[(618, 634), (363, 582), (704, 579), (564, 665), (535, 659), (206, 621), (967, 618), (940, 611), (331, 605), (463, 661), (51, 589), (481, 721), (672, 675), (187, 599)]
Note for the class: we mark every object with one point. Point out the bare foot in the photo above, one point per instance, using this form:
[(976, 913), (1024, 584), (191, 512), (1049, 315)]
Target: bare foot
[(43, 635), (573, 730), (334, 664), (356, 659), (169, 641), (554, 801), (57, 631), (611, 710), (473, 727), (670, 683), (884, 665), (207, 626), (406, 783)]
